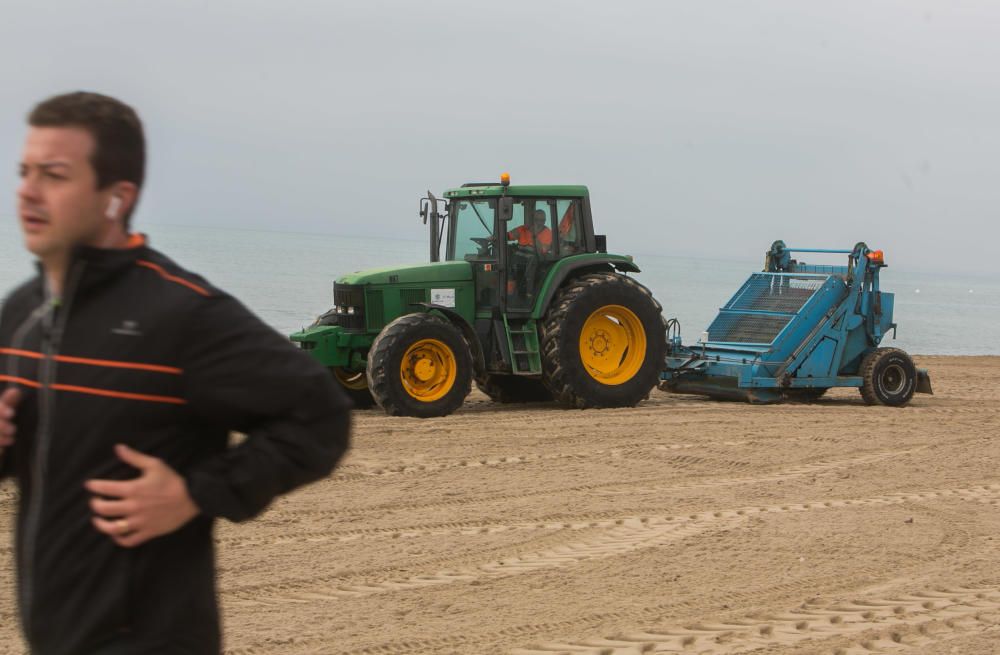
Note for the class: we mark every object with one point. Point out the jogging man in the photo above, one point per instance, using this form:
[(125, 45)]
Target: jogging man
[(122, 375)]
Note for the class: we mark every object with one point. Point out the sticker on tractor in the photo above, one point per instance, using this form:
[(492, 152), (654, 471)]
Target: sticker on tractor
[(443, 297)]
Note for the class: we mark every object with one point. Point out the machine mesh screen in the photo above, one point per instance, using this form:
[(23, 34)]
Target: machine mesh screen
[(762, 308), (375, 310), (746, 328), (775, 293)]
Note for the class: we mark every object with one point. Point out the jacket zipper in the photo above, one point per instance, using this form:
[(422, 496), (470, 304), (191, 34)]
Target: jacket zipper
[(17, 339), (52, 333)]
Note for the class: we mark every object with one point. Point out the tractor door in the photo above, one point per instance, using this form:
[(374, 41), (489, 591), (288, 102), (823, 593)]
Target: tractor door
[(542, 231), (473, 240)]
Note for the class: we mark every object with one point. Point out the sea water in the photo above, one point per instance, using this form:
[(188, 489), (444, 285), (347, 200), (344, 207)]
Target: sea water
[(286, 278)]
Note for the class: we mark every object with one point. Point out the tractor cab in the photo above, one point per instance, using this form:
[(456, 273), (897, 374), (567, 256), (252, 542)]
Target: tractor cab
[(511, 235)]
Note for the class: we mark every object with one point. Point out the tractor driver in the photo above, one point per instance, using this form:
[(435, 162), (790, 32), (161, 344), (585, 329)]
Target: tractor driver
[(526, 235), (525, 259)]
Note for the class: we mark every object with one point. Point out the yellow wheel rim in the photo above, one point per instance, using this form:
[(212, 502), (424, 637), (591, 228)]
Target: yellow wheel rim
[(352, 380), (613, 344), (428, 370)]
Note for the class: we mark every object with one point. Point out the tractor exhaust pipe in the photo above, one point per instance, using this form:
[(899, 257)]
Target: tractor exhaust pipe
[(429, 212)]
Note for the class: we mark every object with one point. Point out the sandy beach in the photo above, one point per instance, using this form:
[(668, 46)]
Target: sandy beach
[(684, 525)]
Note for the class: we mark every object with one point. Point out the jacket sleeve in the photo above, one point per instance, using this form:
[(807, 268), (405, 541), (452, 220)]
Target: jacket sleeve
[(242, 375)]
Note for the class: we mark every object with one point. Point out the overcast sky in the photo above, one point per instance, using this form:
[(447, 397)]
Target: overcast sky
[(702, 128)]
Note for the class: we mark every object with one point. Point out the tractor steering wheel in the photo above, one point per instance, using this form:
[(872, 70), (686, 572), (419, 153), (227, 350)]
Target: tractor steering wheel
[(485, 245)]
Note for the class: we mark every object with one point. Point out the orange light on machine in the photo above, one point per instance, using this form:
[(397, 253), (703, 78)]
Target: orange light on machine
[(505, 179), (876, 257)]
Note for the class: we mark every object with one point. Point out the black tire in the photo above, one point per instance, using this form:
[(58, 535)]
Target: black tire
[(355, 385), (889, 377), (424, 398), (513, 389), (805, 395), (565, 373)]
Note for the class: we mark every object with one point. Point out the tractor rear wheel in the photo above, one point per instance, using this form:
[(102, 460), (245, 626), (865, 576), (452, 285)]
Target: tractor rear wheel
[(603, 342), (889, 377), (513, 389), (419, 365)]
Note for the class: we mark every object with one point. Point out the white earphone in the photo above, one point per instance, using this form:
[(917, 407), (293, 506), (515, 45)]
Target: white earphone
[(113, 206)]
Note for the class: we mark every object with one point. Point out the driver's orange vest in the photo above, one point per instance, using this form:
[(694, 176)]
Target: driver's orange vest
[(525, 237)]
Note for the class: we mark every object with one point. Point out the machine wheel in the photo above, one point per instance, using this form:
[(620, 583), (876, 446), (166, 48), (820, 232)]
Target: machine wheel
[(806, 395), (419, 365), (513, 389), (603, 342), (890, 378), (355, 385)]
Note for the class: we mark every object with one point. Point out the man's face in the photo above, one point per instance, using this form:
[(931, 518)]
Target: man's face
[(58, 203)]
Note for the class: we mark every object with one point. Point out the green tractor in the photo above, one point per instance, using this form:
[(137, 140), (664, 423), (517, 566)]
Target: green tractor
[(527, 302)]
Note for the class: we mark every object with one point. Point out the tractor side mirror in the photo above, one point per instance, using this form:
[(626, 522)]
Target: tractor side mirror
[(506, 208)]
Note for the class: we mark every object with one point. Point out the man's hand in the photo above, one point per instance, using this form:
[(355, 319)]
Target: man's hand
[(154, 504), (9, 400)]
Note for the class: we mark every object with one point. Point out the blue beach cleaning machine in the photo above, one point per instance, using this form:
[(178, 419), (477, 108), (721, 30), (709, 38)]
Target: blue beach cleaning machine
[(795, 330)]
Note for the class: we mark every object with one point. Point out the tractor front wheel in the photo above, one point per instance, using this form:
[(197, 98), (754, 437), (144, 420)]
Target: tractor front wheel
[(889, 377), (419, 365), (603, 342)]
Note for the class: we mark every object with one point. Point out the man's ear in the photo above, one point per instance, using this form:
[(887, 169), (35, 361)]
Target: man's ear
[(123, 197)]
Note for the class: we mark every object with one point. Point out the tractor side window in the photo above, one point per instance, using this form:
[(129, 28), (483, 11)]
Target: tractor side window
[(570, 232), (472, 225)]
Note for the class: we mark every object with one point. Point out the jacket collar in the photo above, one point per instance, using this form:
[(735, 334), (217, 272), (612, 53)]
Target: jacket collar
[(111, 258), (99, 264)]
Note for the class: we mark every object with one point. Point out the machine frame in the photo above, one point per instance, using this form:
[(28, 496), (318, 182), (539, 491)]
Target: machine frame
[(793, 326)]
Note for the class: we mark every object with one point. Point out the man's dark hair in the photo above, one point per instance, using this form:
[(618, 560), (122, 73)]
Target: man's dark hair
[(120, 147)]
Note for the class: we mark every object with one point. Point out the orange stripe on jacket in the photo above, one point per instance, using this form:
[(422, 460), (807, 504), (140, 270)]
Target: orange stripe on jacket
[(21, 353), (120, 394), (172, 278), (97, 392), (25, 382), (156, 368)]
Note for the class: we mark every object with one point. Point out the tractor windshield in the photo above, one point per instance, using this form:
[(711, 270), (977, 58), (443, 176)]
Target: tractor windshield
[(471, 223)]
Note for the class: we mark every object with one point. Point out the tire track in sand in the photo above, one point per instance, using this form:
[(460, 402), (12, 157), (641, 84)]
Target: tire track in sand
[(618, 537), (868, 625), (608, 488), (356, 472), (473, 642), (464, 527), (814, 468)]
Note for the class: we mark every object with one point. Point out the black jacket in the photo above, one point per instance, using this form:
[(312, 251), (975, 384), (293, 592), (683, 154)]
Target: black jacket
[(144, 353)]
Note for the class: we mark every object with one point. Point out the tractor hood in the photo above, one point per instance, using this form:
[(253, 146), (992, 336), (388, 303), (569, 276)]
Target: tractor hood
[(423, 274)]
